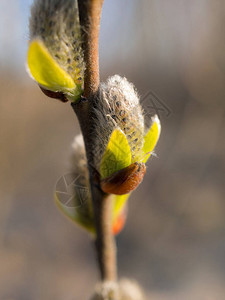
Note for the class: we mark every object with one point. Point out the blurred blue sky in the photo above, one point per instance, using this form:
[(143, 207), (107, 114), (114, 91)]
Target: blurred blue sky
[(135, 36), (14, 33)]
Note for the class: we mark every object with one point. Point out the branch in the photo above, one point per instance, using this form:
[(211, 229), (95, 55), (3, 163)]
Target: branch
[(90, 14)]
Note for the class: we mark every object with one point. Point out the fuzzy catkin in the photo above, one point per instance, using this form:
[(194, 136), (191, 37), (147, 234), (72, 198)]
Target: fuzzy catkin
[(56, 23), (81, 187), (117, 106), (125, 289)]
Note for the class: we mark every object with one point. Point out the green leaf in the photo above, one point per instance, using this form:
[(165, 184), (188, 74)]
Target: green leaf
[(47, 72), (151, 138), (119, 203), (76, 204), (117, 154), (76, 210)]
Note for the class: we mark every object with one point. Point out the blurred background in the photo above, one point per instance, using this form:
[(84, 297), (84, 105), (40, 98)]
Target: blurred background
[(174, 241)]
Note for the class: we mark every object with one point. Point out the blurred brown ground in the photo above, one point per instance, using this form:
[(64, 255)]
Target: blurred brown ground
[(174, 240)]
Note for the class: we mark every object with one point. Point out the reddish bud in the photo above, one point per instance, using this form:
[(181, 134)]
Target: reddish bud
[(55, 95), (119, 223), (124, 181)]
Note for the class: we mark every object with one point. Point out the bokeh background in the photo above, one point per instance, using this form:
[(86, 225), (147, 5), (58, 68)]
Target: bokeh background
[(174, 240)]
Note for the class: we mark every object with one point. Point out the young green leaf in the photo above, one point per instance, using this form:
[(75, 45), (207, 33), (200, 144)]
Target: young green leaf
[(119, 203), (151, 138), (48, 73), (117, 154), (81, 215), (86, 220)]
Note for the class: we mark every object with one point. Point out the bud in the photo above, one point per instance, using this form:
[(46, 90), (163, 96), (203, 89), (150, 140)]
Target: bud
[(80, 209), (125, 289), (119, 222), (124, 181), (121, 144), (107, 290), (130, 290), (55, 57), (118, 108)]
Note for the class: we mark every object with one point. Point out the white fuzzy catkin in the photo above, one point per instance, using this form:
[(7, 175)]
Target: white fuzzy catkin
[(80, 174), (107, 290), (125, 289), (130, 290), (78, 156), (118, 107), (56, 23)]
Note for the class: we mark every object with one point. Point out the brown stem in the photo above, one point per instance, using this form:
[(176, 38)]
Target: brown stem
[(102, 203), (105, 243), (90, 14)]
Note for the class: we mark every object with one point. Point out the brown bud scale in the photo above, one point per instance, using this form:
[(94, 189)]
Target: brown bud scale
[(56, 95), (124, 181)]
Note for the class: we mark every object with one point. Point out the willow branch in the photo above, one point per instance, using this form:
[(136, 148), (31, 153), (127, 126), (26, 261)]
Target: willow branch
[(90, 14)]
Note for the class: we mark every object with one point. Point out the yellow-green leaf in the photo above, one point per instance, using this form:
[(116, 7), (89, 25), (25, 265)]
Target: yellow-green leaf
[(119, 202), (78, 214), (117, 154), (151, 138), (46, 71)]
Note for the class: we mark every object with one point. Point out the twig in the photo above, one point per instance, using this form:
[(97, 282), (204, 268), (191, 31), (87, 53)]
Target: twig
[(90, 14)]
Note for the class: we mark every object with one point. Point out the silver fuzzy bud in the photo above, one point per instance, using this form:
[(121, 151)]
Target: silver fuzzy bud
[(118, 107), (56, 24)]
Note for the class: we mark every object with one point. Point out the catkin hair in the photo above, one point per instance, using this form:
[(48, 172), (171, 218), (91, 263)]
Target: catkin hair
[(125, 289), (117, 106), (79, 157), (82, 197), (56, 23)]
